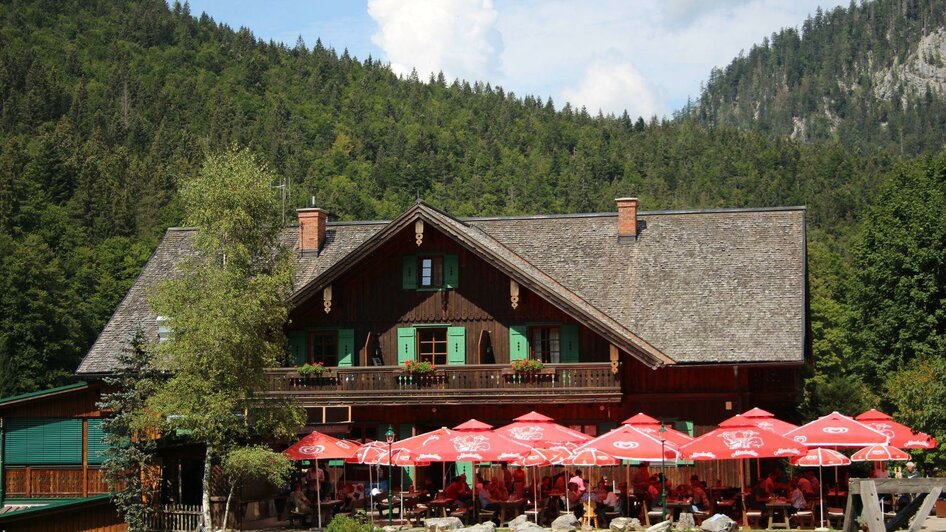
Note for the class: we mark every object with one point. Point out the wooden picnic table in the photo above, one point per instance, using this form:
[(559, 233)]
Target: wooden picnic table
[(441, 504), (676, 507), (506, 507), (778, 513)]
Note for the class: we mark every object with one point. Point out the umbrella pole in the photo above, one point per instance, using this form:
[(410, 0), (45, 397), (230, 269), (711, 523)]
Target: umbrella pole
[(318, 492), (370, 497), (821, 495), (742, 494), (535, 491)]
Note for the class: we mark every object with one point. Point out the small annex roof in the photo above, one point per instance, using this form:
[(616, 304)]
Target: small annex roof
[(13, 399), (695, 287)]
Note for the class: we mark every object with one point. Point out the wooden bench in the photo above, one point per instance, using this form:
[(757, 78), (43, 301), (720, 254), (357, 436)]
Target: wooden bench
[(301, 517)]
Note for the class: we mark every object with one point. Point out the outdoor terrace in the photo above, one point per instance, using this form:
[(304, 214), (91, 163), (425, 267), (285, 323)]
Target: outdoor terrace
[(468, 384)]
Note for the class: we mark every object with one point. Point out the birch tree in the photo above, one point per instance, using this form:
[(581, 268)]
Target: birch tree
[(226, 311)]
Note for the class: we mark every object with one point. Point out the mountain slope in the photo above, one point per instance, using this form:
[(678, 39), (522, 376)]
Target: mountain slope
[(871, 75), (103, 104)]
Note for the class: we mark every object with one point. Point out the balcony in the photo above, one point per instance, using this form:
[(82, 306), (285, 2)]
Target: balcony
[(470, 384)]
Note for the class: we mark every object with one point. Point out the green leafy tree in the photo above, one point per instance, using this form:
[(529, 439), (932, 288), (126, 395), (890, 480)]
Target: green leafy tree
[(253, 462), (899, 289), (226, 311), (129, 464), (918, 393)]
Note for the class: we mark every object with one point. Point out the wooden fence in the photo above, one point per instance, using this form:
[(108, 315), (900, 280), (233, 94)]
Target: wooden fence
[(175, 518)]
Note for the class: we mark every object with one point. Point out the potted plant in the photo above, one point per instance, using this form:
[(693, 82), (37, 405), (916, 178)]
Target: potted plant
[(418, 368), (307, 370), (528, 366)]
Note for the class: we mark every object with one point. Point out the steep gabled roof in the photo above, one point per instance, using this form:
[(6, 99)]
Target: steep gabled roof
[(519, 269), (695, 287)]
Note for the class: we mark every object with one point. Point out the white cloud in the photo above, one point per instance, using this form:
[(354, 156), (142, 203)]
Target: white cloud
[(612, 85), (457, 37)]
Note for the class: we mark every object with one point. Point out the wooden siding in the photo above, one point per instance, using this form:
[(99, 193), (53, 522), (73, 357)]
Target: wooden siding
[(370, 299), (76, 403), (97, 515), (51, 482)]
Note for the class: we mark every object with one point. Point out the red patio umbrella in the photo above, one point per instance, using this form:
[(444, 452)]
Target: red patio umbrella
[(315, 446), (820, 457), (535, 429), (879, 453), (836, 430), (651, 426), (590, 457), (737, 438), (629, 443), (768, 421), (472, 441), (900, 435)]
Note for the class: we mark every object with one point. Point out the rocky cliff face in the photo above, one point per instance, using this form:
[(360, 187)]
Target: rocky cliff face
[(924, 68)]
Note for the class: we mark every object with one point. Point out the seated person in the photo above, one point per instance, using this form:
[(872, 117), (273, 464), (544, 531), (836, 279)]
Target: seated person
[(298, 502), (699, 499), (458, 490), (604, 500), (575, 500), (797, 497), (653, 492), (497, 489), (487, 500)]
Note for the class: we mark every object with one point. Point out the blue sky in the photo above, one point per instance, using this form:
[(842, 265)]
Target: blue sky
[(643, 56)]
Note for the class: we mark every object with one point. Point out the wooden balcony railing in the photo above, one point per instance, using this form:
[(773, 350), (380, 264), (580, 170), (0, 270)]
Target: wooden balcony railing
[(470, 384)]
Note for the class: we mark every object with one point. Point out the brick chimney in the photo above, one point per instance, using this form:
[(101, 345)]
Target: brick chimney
[(627, 219), (312, 222)]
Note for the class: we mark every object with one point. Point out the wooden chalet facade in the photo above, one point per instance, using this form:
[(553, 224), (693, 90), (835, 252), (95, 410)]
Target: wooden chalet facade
[(689, 316), (686, 315)]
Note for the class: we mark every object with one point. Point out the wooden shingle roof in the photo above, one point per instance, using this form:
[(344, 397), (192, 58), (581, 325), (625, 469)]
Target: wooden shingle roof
[(721, 286)]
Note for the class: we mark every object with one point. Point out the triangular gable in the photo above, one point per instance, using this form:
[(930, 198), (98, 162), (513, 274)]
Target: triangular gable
[(499, 256)]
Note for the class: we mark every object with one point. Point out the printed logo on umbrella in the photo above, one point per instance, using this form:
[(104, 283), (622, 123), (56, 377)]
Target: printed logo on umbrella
[(430, 439), (312, 449), (526, 433), (626, 444), (703, 454), (786, 452), (471, 444), (741, 439), (883, 428), (834, 430)]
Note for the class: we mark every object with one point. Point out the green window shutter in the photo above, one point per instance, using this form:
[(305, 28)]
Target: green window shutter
[(456, 346), (297, 347), (409, 272), (406, 430), (451, 271), (569, 343), (96, 446), (466, 468), (518, 342), (684, 426), (43, 441), (406, 344), (346, 348)]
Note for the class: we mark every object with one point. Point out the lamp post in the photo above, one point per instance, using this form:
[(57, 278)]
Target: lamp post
[(389, 437), (663, 478)]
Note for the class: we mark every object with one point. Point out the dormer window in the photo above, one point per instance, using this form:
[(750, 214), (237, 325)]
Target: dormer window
[(431, 272)]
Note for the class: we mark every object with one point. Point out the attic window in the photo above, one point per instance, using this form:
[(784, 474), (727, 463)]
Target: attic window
[(431, 272)]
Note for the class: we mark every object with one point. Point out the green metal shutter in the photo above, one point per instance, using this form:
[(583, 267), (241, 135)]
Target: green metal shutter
[(684, 426), (518, 342), (409, 272), (297, 347), (456, 346), (43, 441), (346, 348), (406, 344), (451, 271), (569, 343), (96, 446)]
